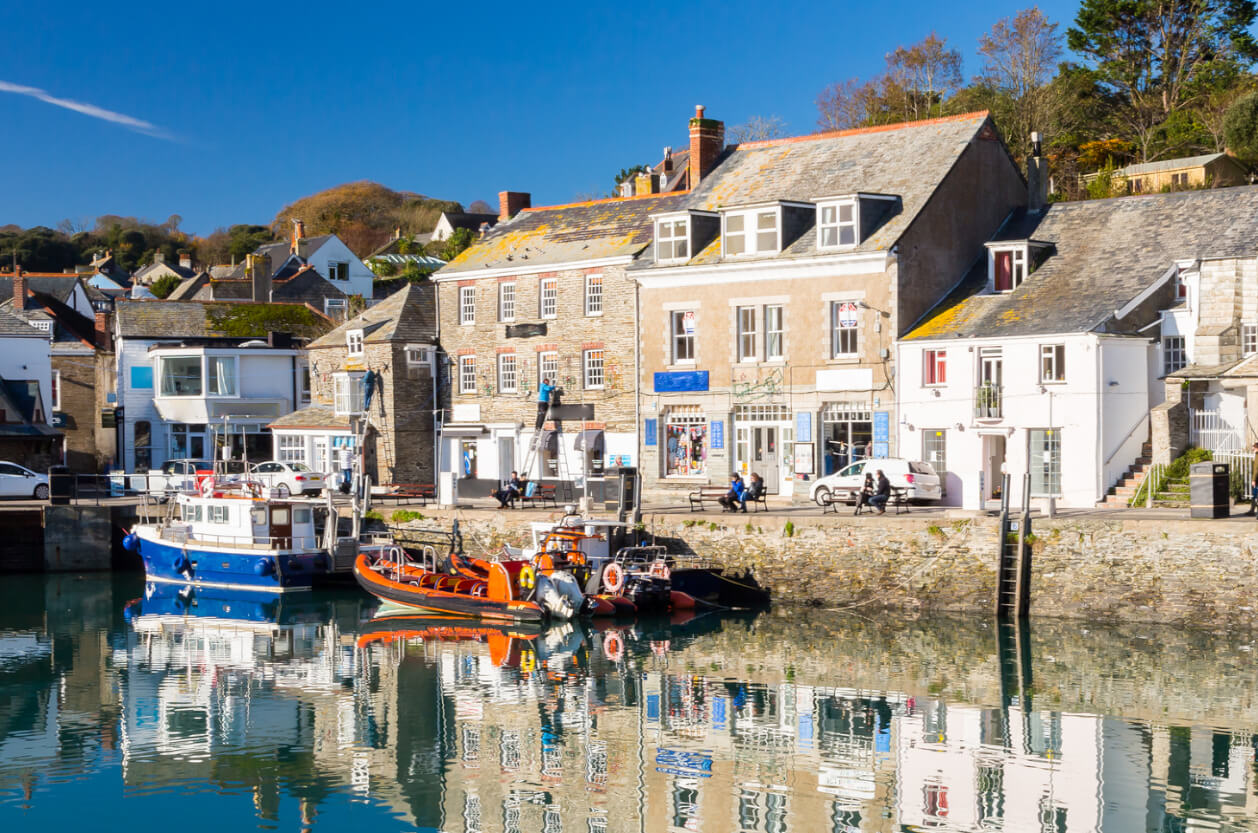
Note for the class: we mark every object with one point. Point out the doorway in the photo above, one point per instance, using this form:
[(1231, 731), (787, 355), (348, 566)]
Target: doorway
[(319, 456), (764, 455), (506, 458), (282, 526), (993, 463)]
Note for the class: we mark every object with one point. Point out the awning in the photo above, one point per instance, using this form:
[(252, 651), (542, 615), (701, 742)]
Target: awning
[(550, 441), (464, 431), (590, 439)]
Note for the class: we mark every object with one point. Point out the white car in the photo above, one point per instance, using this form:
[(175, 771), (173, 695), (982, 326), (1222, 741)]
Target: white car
[(19, 481), (918, 479), (289, 478)]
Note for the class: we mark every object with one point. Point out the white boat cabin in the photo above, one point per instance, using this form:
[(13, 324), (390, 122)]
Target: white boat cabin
[(242, 521)]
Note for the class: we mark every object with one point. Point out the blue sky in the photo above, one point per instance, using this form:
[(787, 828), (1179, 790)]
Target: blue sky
[(245, 107)]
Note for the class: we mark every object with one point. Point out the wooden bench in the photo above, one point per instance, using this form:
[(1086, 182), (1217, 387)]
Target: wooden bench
[(423, 492), (758, 501), (899, 499), (544, 494), (708, 493)]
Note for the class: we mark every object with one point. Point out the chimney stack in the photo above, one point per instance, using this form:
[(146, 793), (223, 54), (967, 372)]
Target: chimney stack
[(185, 260), (707, 140), (299, 231), (645, 183), (258, 269), (159, 256), (19, 290), (511, 202), (104, 335), (1036, 176)]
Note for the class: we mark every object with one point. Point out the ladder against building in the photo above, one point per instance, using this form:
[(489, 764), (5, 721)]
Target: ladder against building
[(555, 414)]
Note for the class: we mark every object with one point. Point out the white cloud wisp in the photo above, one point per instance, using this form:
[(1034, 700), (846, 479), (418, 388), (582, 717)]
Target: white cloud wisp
[(138, 125)]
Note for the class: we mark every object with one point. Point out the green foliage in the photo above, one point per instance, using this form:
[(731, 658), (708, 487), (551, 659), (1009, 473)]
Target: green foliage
[(1106, 184), (373, 515), (401, 516), (789, 529), (455, 244), (1240, 127), (39, 249), (256, 320), (1180, 467), (934, 530), (363, 214), (627, 174), (164, 285)]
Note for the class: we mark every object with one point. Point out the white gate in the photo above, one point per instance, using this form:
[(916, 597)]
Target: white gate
[(1211, 431)]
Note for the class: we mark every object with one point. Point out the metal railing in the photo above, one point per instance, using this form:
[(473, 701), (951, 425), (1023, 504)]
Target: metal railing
[(1211, 431), (987, 401)]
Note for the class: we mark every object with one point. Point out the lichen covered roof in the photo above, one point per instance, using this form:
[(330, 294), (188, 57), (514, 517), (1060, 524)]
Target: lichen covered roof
[(407, 315), (312, 416), (198, 319), (561, 234), (1103, 254)]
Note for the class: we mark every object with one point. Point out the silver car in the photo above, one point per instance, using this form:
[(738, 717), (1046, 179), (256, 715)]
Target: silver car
[(288, 478)]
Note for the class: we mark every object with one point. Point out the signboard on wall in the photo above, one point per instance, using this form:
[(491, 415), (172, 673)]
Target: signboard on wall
[(680, 381), (688, 321), (803, 458), (882, 433), (717, 438), (649, 430), (803, 427)]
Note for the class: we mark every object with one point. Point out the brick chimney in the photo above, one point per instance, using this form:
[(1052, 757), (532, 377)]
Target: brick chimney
[(19, 290), (511, 202), (258, 270), (104, 333), (645, 183), (707, 140), (299, 231), (185, 260)]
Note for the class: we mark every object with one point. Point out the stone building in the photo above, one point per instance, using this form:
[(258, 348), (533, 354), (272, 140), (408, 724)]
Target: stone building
[(545, 293), (393, 345), (773, 294)]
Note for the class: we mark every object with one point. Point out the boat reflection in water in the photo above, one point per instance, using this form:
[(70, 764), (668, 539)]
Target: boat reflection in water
[(320, 713)]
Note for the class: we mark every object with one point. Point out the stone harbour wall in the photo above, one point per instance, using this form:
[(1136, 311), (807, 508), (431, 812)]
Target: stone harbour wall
[(1103, 569)]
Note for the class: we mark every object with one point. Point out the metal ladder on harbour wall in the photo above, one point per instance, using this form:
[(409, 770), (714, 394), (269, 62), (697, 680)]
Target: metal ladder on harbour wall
[(1013, 570)]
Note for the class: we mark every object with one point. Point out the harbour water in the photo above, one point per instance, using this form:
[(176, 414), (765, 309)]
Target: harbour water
[(131, 708)]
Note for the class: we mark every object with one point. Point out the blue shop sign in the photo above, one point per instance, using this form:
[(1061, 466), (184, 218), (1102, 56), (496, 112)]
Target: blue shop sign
[(803, 427), (685, 381), (717, 439), (882, 433), (649, 431)]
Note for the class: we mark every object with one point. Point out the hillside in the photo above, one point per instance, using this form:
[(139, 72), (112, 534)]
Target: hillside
[(363, 214)]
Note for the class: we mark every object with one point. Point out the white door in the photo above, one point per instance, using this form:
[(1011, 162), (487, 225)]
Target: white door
[(319, 456), (506, 457), (765, 456)]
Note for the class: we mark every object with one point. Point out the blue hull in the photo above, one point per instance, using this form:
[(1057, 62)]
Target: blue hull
[(251, 570)]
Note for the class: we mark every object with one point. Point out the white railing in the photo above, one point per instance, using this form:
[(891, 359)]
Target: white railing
[(1240, 469), (1211, 431)]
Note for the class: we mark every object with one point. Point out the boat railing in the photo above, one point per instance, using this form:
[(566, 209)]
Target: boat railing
[(181, 533)]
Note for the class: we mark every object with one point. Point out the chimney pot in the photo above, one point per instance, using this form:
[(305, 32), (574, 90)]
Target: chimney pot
[(707, 140), (185, 261), (299, 231), (699, 111), (511, 203)]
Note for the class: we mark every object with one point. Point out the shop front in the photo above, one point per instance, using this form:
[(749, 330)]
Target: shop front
[(847, 434), (686, 442), (765, 445)]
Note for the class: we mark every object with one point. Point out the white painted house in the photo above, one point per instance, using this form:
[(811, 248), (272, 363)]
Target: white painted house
[(180, 382), (1047, 358), (326, 253)]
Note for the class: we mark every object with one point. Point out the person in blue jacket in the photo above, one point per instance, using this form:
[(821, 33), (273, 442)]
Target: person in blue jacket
[(544, 392), (734, 497)]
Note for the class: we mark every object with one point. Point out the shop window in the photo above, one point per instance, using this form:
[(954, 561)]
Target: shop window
[(187, 441), (847, 434), (686, 441), (292, 449), (181, 376)]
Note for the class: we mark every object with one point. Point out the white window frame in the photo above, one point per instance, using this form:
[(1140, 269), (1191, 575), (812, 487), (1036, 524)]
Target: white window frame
[(212, 378), (774, 332), (594, 294), (672, 244), (934, 358), (747, 335), (161, 376), (1035, 458), (1052, 364), (749, 236), (508, 375), (1249, 339), (593, 369), (548, 298), (467, 305), (830, 219), (1018, 268), (347, 393), (467, 374), (56, 390), (354, 342), (1174, 347), (506, 301), (332, 306), (839, 349), (290, 448), (677, 338), (547, 367)]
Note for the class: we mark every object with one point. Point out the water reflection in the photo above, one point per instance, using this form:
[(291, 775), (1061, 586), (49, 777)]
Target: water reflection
[(316, 714)]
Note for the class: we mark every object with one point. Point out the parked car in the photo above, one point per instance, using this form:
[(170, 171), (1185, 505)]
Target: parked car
[(182, 475), (918, 479), (289, 478), (19, 481)]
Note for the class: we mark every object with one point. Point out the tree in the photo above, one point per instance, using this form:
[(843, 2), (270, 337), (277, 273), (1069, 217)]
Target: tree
[(1240, 128), (454, 245), (1157, 56), (627, 174), (1020, 54), (917, 81), (164, 285), (756, 129)]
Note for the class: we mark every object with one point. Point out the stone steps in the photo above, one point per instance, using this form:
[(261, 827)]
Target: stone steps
[(1121, 493)]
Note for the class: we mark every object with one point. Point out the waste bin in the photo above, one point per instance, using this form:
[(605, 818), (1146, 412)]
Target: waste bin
[(1208, 490), (621, 490), (60, 484)]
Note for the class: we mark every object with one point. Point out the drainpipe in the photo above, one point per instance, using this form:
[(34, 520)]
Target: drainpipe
[(637, 395), (435, 371), (1100, 424)]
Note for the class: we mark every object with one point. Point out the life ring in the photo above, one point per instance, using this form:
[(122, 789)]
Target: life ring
[(613, 646), (207, 486), (528, 578), (528, 661), (613, 578), (659, 569)]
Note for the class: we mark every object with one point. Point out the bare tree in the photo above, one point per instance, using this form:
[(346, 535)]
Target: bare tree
[(1020, 55), (756, 129), (917, 81)]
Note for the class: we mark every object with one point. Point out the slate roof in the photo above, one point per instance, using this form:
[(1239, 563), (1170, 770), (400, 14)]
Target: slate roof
[(1104, 253), (1169, 164), (20, 396), (907, 161), (279, 252), (559, 234), (407, 315), (196, 319), (176, 269), (68, 326), (11, 325), (57, 284), (312, 416), (302, 285), (470, 220)]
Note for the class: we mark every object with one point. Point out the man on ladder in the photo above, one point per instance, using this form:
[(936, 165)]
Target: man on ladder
[(544, 394)]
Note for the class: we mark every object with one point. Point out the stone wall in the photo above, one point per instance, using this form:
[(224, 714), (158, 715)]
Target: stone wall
[(1100, 569)]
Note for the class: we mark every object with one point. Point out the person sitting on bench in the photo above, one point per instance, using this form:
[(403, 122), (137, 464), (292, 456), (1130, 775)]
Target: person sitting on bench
[(866, 492), (735, 494), (753, 491), (506, 496), (883, 493)]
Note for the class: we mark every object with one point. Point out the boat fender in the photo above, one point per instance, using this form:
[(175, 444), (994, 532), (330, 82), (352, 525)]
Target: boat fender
[(179, 563), (528, 578), (130, 542), (262, 567), (681, 601), (613, 578), (614, 646), (528, 661), (207, 487), (660, 570)]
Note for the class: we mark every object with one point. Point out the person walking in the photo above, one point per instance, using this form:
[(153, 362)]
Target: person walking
[(346, 459), (544, 393), (734, 496), (882, 494)]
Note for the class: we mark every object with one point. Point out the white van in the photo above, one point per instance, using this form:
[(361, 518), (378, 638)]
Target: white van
[(918, 479)]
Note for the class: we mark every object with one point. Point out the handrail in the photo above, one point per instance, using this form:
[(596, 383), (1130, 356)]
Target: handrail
[(1143, 419), (294, 541)]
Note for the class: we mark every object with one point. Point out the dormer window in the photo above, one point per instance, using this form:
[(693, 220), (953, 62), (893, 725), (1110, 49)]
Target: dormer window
[(752, 232), (1010, 262), (838, 225), (672, 239)]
